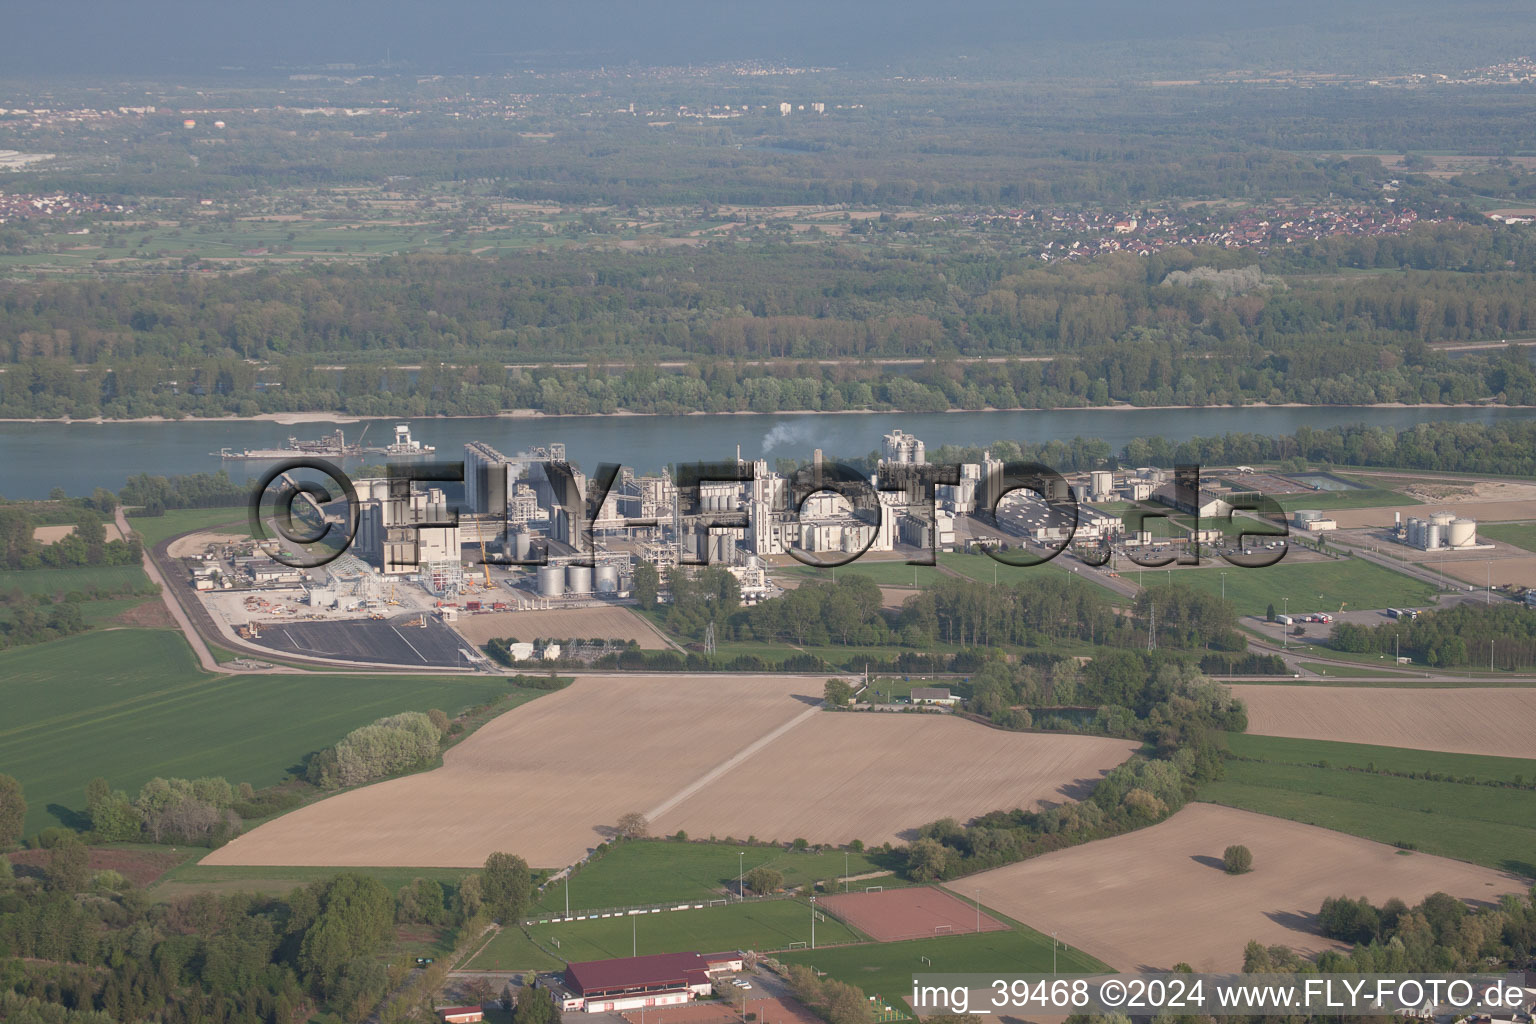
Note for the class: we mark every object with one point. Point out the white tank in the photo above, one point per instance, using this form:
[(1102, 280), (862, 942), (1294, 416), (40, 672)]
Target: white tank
[(522, 544), (1101, 482), (607, 579), (1432, 536), (1463, 533), (578, 579), (1442, 519), (551, 581)]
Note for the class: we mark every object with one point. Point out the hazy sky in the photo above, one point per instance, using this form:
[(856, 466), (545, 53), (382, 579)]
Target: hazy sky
[(153, 37)]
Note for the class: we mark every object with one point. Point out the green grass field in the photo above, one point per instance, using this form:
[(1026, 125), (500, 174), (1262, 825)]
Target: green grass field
[(154, 529), (657, 871), (1310, 586), (1484, 824), (886, 968), (766, 925), (81, 578), (1521, 535), (132, 704)]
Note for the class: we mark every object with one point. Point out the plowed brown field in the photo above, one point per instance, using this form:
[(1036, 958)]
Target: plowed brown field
[(1157, 896), (878, 777), (1471, 720), (743, 755), (614, 623)]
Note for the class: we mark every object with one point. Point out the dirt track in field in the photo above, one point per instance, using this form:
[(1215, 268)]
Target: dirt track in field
[(543, 780), (712, 754), (1157, 896), (612, 623), (879, 777), (1469, 720), (918, 912)]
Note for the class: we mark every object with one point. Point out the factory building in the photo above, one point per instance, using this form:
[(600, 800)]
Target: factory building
[(902, 448), (403, 534)]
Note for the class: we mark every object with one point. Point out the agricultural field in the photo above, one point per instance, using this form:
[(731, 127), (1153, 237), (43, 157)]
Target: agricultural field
[(132, 704), (154, 529), (610, 623), (1481, 510), (655, 871), (1347, 787), (193, 877), (1484, 720), (57, 582), (851, 776), (886, 968), (756, 925), (1504, 568), (1159, 895), (1521, 535), (564, 770), (1310, 586), (770, 765)]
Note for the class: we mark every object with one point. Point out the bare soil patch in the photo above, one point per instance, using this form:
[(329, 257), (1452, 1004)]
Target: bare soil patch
[(919, 912), (1154, 897), (149, 614), (47, 535), (1506, 567), (1477, 720), (1484, 510), (611, 623), (878, 777)]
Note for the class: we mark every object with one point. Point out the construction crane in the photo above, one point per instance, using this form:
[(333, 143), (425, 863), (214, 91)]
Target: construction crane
[(485, 561)]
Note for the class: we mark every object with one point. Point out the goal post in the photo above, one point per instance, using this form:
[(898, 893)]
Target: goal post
[(796, 945), (874, 888), (943, 929), (718, 903)]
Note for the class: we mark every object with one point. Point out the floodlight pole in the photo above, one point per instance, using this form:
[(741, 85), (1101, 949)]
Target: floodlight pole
[(813, 922), (1053, 952), (567, 893), (1223, 586), (978, 911), (845, 871), (741, 874)]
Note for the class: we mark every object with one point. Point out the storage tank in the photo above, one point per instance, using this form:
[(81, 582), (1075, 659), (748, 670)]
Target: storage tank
[(1433, 536), (1303, 516), (1101, 482), (578, 579), (551, 581), (607, 579), (1442, 519), (1463, 533), (522, 545)]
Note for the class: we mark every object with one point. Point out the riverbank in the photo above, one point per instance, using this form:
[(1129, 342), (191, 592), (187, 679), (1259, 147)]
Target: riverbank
[(289, 419)]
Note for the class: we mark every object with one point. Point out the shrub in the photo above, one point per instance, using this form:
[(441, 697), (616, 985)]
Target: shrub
[(1237, 860)]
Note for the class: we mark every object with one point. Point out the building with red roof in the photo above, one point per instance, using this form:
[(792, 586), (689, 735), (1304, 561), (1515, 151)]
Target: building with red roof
[(636, 982)]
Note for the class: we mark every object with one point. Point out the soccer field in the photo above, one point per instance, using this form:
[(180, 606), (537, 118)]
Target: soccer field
[(652, 871), (129, 705), (760, 926)]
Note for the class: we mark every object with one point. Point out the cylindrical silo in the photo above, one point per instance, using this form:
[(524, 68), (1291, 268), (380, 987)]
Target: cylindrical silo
[(578, 579), (1442, 519), (522, 544), (1432, 536), (1101, 482), (551, 581), (607, 579), (1463, 533)]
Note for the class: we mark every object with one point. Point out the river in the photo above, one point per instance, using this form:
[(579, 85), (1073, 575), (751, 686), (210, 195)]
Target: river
[(36, 457)]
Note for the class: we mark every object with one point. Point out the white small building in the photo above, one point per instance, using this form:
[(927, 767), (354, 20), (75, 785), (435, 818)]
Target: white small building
[(934, 695)]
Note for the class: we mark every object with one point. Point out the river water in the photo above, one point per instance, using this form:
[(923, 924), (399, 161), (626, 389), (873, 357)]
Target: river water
[(36, 457)]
